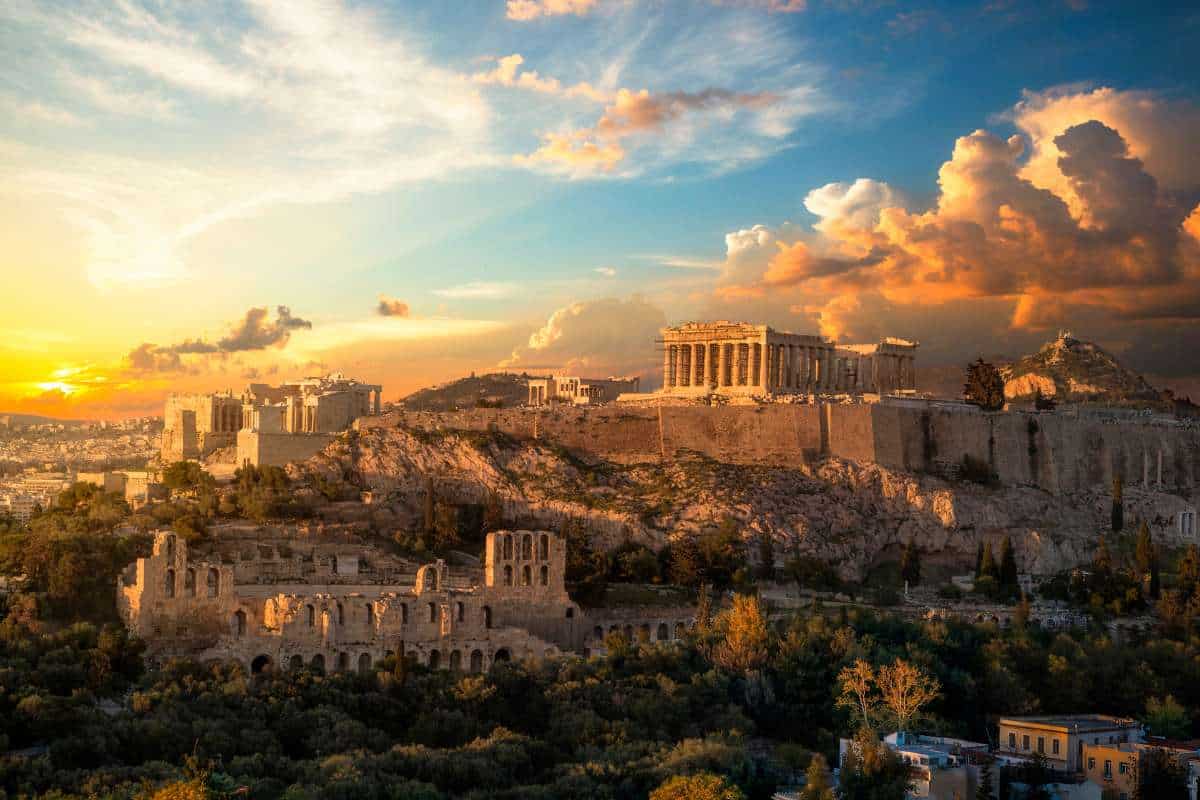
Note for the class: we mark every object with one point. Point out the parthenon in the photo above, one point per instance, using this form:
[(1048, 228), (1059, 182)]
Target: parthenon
[(739, 358)]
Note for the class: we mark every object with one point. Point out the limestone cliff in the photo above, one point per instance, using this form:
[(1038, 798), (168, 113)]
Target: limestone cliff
[(1069, 369), (847, 513)]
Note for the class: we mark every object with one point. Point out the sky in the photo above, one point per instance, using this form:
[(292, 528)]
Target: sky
[(201, 195)]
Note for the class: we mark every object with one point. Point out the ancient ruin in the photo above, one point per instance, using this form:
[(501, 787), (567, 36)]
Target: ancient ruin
[(739, 358), (268, 424), (578, 391), (295, 602)]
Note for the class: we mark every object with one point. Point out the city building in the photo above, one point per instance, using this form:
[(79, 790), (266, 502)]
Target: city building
[(1061, 738), (578, 391), (739, 358), (1114, 767), (941, 768), (136, 486)]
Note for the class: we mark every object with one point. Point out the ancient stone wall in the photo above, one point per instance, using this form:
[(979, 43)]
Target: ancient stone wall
[(258, 448)]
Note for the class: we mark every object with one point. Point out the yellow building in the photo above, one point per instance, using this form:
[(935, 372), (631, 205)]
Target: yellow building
[(1061, 738)]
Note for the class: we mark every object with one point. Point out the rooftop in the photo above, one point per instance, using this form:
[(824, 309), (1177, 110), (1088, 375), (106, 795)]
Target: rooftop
[(1074, 722)]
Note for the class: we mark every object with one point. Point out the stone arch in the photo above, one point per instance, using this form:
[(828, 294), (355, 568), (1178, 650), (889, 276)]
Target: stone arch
[(543, 547), (189, 582), (239, 623), (261, 664), (508, 546), (664, 633), (435, 659), (527, 548), (343, 662), (476, 661), (487, 616), (544, 575), (169, 583), (455, 660), (460, 611), (364, 663), (508, 575), (296, 662), (317, 663), (433, 612), (502, 656), (526, 575), (312, 615), (214, 582)]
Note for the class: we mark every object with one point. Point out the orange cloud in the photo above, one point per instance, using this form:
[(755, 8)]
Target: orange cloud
[(575, 151), (525, 10), (391, 307)]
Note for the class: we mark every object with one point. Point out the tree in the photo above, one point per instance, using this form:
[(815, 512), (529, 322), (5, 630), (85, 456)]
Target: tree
[(984, 790), (766, 556), (1118, 506), (906, 689), (857, 682), (1160, 776), (701, 786), (871, 771), (817, 787), (1166, 717), (1008, 565), (910, 564), (984, 387), (1102, 563), (987, 567), (979, 560), (744, 647), (1147, 557), (1189, 571)]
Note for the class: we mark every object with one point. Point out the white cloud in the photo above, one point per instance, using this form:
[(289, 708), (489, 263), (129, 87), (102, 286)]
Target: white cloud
[(607, 272), (478, 290), (856, 204)]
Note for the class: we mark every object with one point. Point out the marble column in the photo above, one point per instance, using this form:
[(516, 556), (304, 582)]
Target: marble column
[(666, 366), (722, 364), (698, 353), (789, 367)]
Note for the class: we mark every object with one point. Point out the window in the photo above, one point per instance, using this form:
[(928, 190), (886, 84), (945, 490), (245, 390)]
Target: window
[(508, 549), (461, 612), (312, 616), (1107, 768), (341, 614), (545, 575), (370, 614), (508, 575), (1054, 746), (432, 612), (526, 576), (527, 547), (1012, 741), (1024, 742), (1041, 744), (1091, 763), (403, 613), (1123, 768), (543, 547), (214, 582)]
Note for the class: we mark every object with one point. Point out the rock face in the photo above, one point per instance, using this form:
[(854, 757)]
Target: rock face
[(849, 514), (1070, 369), (497, 389)]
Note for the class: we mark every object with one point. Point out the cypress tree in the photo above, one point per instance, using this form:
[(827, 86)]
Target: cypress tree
[(988, 565), (1008, 564), (978, 561), (1145, 548), (1118, 506), (910, 564)]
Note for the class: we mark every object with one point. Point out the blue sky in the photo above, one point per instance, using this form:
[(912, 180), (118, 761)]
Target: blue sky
[(517, 171)]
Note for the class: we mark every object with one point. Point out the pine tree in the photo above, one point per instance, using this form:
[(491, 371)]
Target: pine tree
[(1008, 564), (984, 790), (1118, 506), (910, 564)]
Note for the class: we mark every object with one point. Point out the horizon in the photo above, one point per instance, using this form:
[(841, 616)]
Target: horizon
[(204, 197)]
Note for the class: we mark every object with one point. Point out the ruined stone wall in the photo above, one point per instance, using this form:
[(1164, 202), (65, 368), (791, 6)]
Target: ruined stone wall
[(278, 449), (1053, 451)]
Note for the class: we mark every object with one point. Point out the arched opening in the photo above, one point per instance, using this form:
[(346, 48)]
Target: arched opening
[(435, 659), (296, 662), (545, 575), (239, 623), (508, 575), (526, 575), (404, 613), (370, 613), (527, 547), (214, 582), (169, 583), (312, 616), (543, 547), (502, 656), (341, 614), (318, 663), (460, 612), (570, 613), (664, 633), (430, 583), (189, 583), (487, 616), (455, 661), (433, 612), (508, 546), (343, 662), (476, 661), (260, 665), (364, 663)]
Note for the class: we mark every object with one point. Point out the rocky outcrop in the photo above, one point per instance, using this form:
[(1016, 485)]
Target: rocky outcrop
[(1071, 369), (847, 513)]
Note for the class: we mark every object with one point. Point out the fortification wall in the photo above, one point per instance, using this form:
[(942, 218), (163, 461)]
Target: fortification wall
[(1053, 451), (277, 449)]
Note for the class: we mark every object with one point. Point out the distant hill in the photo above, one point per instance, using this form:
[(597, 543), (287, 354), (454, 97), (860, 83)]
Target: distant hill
[(1072, 370), (34, 419), (502, 389)]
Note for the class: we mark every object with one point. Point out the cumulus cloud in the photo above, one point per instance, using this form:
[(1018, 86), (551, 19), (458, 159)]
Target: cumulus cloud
[(525, 10), (391, 307), (254, 331), (596, 338)]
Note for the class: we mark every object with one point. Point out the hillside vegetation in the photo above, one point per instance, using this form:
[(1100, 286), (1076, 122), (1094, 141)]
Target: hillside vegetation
[(496, 389)]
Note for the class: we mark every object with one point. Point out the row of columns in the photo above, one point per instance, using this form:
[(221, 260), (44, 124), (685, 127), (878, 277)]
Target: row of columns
[(226, 418), (800, 367), (771, 366)]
